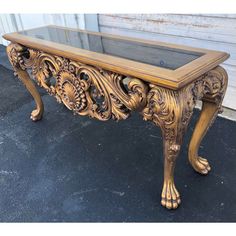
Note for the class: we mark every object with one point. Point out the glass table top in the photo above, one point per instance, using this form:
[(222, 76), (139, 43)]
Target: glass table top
[(156, 55)]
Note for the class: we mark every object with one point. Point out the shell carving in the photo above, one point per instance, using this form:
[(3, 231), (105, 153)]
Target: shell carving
[(84, 89), (72, 91)]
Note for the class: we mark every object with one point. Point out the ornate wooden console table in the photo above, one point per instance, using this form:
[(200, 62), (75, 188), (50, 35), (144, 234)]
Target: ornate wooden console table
[(106, 76)]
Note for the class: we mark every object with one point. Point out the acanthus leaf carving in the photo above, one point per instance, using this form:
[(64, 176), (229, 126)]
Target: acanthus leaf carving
[(172, 110), (84, 89), (102, 94)]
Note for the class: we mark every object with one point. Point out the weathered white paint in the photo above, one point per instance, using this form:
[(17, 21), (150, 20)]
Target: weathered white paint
[(6, 25), (15, 22), (217, 32)]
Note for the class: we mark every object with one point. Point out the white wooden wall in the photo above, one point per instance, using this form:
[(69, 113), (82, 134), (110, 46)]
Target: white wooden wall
[(15, 22), (217, 32)]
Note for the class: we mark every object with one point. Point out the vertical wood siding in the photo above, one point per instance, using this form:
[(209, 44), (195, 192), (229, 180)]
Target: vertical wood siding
[(217, 32), (15, 22)]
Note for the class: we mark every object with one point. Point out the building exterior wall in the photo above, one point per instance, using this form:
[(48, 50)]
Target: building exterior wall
[(16, 22)]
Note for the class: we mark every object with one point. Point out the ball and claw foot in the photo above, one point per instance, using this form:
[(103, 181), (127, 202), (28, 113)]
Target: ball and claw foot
[(201, 165), (36, 115), (170, 197)]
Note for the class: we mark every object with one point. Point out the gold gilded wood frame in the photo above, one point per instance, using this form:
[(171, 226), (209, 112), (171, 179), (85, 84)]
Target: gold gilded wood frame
[(88, 85), (173, 79)]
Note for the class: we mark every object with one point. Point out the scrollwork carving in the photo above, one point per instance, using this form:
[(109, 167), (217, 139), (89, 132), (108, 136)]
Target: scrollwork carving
[(15, 54), (171, 110), (103, 94), (212, 85), (84, 89)]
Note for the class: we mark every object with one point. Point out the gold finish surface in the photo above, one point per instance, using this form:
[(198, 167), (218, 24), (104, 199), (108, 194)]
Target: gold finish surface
[(84, 89), (173, 79), (214, 90), (172, 110), (105, 94), (14, 52)]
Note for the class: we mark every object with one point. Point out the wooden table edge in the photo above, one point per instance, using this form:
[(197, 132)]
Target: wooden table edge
[(173, 79)]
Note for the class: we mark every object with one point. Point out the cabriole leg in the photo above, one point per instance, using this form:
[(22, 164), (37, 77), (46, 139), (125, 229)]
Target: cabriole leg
[(170, 197), (171, 110), (213, 87), (29, 84), (15, 52)]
